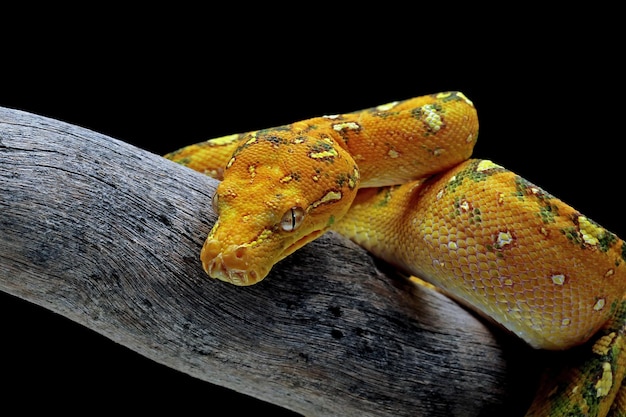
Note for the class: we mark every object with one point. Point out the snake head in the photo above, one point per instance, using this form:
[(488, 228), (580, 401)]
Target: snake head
[(280, 191)]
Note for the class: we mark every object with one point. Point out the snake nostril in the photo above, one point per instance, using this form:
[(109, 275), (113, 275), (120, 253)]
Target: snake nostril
[(240, 252)]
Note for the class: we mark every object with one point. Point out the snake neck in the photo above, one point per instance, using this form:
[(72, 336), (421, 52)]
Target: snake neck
[(373, 219)]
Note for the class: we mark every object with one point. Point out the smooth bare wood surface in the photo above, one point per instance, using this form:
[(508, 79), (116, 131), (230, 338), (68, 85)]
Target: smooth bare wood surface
[(108, 235)]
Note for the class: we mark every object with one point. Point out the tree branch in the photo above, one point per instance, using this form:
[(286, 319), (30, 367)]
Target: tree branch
[(108, 235)]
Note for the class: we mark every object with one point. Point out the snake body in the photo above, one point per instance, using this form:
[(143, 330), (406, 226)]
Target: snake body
[(397, 180)]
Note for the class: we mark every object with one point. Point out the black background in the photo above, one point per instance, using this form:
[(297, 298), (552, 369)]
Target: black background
[(546, 88)]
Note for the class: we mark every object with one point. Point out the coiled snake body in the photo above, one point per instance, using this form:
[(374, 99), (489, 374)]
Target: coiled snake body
[(397, 180)]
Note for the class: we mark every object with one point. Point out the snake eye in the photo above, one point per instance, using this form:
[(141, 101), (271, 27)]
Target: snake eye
[(292, 219), (215, 202)]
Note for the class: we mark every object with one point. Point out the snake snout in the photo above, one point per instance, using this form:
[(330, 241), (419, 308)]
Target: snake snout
[(231, 264)]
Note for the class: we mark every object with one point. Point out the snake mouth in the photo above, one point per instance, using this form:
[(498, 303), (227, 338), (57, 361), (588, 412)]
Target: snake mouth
[(218, 268), (232, 265), (244, 265)]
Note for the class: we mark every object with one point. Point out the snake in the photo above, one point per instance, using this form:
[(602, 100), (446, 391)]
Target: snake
[(400, 181)]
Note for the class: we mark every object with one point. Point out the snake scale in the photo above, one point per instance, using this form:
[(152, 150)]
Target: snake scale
[(398, 179)]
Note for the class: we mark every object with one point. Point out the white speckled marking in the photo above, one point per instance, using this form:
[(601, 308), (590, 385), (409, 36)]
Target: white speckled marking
[(558, 279), (432, 118), (346, 126), (599, 305)]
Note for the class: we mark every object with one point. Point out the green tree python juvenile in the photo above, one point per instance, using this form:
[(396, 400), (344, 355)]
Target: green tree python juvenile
[(398, 180)]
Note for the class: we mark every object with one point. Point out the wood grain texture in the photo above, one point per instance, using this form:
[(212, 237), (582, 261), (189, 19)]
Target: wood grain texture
[(108, 235)]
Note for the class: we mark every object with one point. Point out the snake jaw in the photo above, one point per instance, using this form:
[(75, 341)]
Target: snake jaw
[(217, 268), (231, 264), (302, 241), (235, 263)]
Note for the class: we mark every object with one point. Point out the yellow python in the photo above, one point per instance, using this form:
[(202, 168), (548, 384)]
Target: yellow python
[(397, 180)]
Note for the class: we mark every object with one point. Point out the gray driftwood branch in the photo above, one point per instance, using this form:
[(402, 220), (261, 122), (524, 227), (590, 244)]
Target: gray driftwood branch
[(108, 235)]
